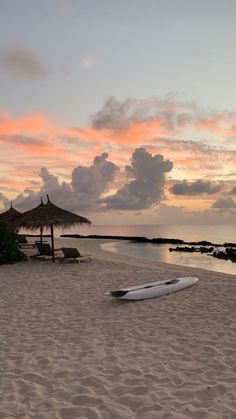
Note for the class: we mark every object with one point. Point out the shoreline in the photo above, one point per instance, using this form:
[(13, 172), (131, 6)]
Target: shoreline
[(219, 252), (68, 353), (94, 246)]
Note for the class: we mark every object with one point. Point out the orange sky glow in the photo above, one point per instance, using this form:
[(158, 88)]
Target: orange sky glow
[(38, 139)]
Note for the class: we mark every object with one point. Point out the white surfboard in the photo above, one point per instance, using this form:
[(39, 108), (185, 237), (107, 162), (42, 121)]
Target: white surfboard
[(152, 289)]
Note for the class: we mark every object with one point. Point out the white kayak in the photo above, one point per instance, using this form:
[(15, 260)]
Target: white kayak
[(152, 289)]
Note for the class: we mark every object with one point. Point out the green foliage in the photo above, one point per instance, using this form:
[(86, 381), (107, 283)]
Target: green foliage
[(9, 247)]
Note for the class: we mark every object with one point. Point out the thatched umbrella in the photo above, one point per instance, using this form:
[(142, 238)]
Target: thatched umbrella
[(10, 215), (32, 214), (49, 216)]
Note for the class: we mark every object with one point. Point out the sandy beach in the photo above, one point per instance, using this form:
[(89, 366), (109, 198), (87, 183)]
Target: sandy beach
[(67, 352)]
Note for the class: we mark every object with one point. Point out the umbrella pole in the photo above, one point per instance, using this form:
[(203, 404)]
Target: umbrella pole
[(52, 241), (41, 234)]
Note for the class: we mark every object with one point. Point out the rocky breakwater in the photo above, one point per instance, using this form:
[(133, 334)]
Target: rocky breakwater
[(228, 254)]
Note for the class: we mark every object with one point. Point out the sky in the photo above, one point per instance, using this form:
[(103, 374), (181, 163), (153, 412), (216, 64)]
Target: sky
[(123, 111)]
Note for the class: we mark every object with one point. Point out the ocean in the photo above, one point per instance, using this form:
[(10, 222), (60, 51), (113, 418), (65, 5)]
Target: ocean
[(213, 233), (160, 253)]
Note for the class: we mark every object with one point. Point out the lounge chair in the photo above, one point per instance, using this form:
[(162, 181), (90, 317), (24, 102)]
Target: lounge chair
[(23, 242), (44, 251), (71, 254)]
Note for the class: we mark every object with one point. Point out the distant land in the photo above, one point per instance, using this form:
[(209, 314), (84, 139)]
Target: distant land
[(158, 240)]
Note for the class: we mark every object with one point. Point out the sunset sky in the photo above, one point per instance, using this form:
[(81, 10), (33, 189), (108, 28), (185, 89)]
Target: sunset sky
[(123, 111)]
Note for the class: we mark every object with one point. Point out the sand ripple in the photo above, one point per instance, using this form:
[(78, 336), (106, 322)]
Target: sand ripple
[(67, 353)]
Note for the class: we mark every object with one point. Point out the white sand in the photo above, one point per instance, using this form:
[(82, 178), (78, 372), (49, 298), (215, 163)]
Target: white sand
[(66, 352)]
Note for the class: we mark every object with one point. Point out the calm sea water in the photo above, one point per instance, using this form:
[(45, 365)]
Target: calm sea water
[(214, 233)]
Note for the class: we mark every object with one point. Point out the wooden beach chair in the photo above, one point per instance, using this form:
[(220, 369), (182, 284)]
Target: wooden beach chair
[(44, 251), (72, 254), (23, 242)]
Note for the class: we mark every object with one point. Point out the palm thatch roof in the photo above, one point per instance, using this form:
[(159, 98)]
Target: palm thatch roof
[(46, 215), (10, 215), (22, 218)]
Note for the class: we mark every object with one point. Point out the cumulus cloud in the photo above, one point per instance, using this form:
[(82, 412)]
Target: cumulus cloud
[(224, 203), (91, 182), (146, 188), (20, 61), (26, 200), (50, 182), (87, 185), (37, 136), (198, 187)]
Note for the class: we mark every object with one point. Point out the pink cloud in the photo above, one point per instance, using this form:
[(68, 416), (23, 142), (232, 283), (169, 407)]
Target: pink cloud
[(162, 127)]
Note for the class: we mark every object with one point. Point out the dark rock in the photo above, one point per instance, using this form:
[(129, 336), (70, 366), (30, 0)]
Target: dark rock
[(205, 249), (220, 255), (183, 249), (229, 244)]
